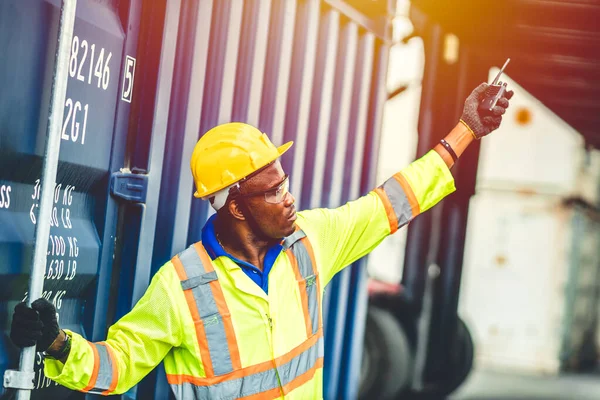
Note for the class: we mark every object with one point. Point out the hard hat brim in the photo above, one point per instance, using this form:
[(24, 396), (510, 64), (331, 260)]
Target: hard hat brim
[(284, 147)]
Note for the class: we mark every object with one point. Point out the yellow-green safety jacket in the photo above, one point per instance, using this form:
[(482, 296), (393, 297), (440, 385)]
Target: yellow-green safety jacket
[(220, 335)]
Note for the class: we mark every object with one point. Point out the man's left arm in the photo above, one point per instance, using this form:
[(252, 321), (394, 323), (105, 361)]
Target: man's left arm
[(345, 234), (341, 236)]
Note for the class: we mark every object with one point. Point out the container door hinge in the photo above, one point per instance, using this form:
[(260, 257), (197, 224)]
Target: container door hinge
[(129, 186)]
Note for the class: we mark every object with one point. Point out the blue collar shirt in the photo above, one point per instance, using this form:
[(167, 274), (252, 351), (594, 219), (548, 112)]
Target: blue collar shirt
[(215, 250)]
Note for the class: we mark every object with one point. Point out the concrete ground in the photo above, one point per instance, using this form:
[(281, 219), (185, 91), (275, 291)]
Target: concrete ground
[(484, 385)]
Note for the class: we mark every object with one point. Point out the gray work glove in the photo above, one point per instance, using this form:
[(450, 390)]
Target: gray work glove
[(35, 325), (480, 123)]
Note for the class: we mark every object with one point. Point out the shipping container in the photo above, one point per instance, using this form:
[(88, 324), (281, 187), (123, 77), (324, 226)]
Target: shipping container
[(531, 282), (146, 79)]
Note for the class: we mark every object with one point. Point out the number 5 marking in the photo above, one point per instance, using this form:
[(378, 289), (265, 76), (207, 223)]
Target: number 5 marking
[(129, 77)]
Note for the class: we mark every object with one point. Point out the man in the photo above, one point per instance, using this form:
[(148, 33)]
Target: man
[(238, 315)]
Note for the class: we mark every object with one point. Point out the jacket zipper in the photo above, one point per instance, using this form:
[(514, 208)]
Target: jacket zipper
[(273, 353)]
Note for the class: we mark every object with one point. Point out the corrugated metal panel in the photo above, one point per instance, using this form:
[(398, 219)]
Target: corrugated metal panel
[(317, 79), (301, 84), (191, 116), (277, 69), (337, 141), (312, 162), (251, 67)]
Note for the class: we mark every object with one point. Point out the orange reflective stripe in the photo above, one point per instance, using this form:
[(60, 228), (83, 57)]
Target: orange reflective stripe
[(305, 377), (251, 370), (179, 268), (94, 376), (303, 294), (198, 325), (215, 286), (311, 254), (410, 195), (389, 210), (115, 370), (268, 395)]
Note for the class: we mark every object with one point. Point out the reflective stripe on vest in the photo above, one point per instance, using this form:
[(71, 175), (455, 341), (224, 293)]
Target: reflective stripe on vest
[(258, 381), (399, 201), (105, 374), (216, 338), (300, 253)]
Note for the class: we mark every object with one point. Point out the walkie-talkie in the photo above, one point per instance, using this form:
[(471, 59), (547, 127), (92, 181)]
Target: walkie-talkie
[(494, 92)]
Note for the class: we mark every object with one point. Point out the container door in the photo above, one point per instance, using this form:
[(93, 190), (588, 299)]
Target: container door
[(96, 114)]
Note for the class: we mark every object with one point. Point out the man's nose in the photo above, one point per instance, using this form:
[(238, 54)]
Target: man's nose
[(289, 199)]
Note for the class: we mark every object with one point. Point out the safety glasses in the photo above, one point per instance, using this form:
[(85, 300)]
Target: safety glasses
[(274, 195)]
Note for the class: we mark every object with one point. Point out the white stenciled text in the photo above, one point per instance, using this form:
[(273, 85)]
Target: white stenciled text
[(60, 215), (74, 121), (96, 66), (5, 196)]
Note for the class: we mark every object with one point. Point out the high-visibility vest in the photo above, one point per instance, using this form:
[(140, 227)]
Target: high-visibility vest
[(218, 342)]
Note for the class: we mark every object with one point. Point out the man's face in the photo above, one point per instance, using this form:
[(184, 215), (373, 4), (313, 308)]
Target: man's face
[(275, 220)]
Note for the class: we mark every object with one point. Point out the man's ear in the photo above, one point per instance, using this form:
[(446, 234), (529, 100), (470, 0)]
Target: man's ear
[(235, 210)]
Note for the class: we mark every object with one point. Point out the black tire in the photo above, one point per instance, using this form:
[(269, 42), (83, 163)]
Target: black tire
[(387, 357), (458, 368)]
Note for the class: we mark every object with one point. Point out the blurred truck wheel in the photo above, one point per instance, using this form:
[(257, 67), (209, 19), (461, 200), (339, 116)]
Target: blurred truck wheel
[(455, 372), (387, 357)]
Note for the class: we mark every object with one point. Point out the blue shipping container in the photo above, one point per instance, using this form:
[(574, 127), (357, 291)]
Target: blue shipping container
[(145, 80)]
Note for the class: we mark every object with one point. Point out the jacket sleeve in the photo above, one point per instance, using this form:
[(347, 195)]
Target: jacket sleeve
[(343, 235), (134, 346)]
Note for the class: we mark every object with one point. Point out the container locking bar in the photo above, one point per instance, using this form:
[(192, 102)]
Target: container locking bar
[(129, 186), (24, 377)]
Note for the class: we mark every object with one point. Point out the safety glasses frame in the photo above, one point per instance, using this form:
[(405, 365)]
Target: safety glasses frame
[(284, 182)]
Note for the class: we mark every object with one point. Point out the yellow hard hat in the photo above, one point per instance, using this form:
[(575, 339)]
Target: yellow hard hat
[(229, 153)]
